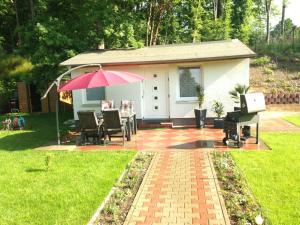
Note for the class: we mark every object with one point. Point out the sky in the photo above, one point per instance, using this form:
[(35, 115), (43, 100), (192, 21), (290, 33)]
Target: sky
[(292, 12)]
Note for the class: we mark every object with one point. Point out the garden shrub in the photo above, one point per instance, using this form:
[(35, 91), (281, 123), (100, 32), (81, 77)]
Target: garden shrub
[(268, 71), (261, 61)]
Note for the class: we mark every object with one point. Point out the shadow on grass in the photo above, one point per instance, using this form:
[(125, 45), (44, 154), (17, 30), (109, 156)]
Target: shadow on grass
[(22, 141), (35, 170), (40, 129)]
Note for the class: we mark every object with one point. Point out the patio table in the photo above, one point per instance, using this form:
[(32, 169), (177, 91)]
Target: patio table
[(128, 116)]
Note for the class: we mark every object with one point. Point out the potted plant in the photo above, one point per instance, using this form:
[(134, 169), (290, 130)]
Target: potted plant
[(239, 89), (218, 109), (200, 114)]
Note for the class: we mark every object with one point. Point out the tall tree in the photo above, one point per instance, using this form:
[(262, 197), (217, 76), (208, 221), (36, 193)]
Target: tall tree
[(197, 13), (16, 8), (241, 19), (32, 13), (284, 5), (268, 4)]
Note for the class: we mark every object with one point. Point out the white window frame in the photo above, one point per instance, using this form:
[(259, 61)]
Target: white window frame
[(89, 102), (187, 99)]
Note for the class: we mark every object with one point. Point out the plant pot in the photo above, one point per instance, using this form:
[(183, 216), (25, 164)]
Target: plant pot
[(200, 115), (219, 123)]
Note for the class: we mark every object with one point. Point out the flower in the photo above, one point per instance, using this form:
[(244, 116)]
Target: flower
[(259, 220)]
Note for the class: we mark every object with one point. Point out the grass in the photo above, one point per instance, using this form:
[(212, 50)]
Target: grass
[(274, 177), (293, 119), (68, 191)]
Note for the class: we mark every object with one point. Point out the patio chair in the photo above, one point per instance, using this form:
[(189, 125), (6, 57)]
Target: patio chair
[(127, 107), (106, 104), (89, 127), (113, 124)]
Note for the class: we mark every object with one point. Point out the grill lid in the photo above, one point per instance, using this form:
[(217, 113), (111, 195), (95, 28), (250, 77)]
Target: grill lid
[(253, 102)]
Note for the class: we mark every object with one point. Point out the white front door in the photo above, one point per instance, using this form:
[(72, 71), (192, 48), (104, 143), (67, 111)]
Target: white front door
[(155, 93)]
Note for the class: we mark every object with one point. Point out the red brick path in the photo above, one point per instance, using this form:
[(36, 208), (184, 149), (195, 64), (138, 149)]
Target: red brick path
[(180, 187)]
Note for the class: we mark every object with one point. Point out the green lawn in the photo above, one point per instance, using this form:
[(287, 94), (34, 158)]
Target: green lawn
[(274, 176), (293, 119), (68, 193)]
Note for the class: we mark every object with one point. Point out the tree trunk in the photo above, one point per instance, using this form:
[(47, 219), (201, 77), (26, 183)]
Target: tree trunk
[(216, 4), (152, 22), (196, 21), (268, 11), (31, 9), (149, 23), (283, 18), (15, 4), (160, 15)]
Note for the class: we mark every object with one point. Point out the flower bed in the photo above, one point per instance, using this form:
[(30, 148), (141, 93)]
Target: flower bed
[(117, 207), (240, 203)]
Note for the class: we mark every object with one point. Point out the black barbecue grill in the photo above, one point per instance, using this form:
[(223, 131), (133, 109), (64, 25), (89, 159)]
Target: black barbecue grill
[(239, 120)]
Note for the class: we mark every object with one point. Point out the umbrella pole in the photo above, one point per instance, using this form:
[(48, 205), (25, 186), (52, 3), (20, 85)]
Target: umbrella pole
[(57, 83), (57, 121)]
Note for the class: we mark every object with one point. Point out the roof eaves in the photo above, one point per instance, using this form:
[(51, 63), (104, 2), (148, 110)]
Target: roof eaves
[(171, 61)]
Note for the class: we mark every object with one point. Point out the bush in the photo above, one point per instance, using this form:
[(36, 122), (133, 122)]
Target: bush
[(261, 61), (268, 71)]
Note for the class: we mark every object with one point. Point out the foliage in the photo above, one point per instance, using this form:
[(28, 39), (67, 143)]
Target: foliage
[(12, 68), (200, 95), (238, 90), (241, 19), (240, 202), (268, 71), (288, 30), (261, 61), (218, 108), (46, 33), (273, 178)]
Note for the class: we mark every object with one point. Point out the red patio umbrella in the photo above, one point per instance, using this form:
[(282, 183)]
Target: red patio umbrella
[(100, 78), (94, 79)]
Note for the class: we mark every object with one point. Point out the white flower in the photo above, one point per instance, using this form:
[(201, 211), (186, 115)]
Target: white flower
[(259, 220)]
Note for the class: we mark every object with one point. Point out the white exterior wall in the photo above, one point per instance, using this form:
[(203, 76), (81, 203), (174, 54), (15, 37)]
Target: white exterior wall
[(218, 77)]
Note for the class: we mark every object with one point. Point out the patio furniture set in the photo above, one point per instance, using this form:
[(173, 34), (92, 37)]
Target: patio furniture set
[(111, 122)]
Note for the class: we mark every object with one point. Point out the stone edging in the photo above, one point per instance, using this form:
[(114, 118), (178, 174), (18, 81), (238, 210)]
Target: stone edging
[(137, 196), (113, 189), (221, 200), (282, 98)]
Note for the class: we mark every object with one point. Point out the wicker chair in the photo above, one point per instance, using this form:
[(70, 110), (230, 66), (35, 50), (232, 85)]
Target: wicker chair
[(113, 124), (106, 104), (127, 107), (89, 127)]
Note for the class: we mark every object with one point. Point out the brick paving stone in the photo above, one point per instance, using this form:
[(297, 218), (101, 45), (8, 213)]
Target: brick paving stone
[(180, 187)]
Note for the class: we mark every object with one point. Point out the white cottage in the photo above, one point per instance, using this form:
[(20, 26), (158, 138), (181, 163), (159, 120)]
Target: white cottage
[(171, 72)]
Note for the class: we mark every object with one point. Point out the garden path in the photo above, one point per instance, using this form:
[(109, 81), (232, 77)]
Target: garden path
[(180, 187)]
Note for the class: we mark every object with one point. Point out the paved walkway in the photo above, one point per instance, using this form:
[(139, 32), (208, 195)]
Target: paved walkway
[(180, 187)]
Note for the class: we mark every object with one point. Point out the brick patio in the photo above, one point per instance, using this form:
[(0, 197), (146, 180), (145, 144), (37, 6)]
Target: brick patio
[(167, 139)]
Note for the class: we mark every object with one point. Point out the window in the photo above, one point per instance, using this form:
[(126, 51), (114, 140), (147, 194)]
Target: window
[(95, 94), (189, 78)]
